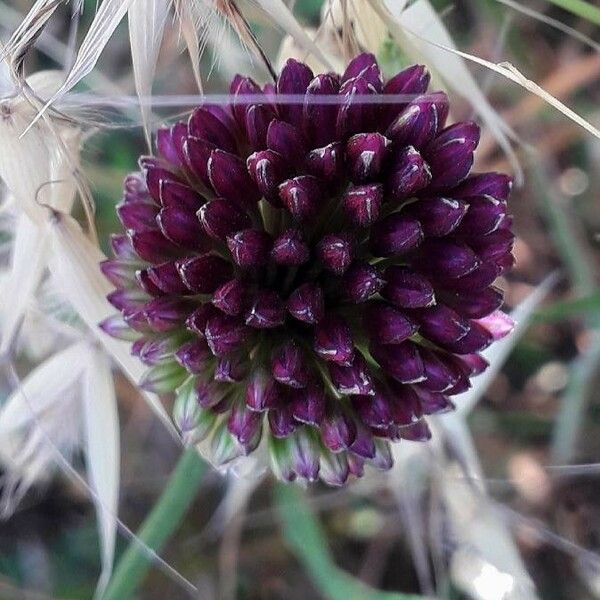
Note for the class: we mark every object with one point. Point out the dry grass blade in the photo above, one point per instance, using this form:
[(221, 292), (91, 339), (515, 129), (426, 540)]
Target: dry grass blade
[(147, 20), (109, 15), (101, 439), (187, 24)]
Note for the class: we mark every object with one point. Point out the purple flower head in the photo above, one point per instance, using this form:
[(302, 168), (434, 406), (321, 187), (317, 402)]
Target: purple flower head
[(312, 278)]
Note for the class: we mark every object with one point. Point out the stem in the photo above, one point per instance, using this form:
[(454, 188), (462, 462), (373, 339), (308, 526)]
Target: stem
[(159, 525), (581, 8)]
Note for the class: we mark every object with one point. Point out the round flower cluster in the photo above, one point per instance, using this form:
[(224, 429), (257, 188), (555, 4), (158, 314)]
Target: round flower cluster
[(311, 267)]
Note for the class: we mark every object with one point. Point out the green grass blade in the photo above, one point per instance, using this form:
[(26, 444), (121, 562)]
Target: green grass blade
[(161, 523), (307, 541), (565, 309), (581, 8)]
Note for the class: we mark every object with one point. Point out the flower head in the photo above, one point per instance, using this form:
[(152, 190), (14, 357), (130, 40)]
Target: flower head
[(313, 274)]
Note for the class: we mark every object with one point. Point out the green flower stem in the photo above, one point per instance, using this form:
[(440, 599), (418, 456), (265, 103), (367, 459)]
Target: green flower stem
[(167, 514), (307, 541), (581, 8)]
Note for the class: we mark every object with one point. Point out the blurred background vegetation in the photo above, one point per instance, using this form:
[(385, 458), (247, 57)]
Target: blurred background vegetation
[(540, 413)]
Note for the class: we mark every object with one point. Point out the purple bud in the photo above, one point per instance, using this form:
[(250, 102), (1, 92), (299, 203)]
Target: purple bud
[(445, 258), (304, 452), (205, 273), (261, 391), (434, 403), (158, 350), (319, 119), (135, 189), (231, 297), (281, 422), (152, 246), (118, 328), (395, 234), (411, 82), (474, 364), (361, 281), (221, 218), (356, 464), (231, 369), (338, 430), (484, 215), (363, 444), (334, 469), (225, 334), (266, 311), (290, 249), (420, 121), (166, 278), (166, 146), (136, 319), (440, 373), (404, 404), (306, 303), (386, 325), (268, 169), (450, 155), (250, 247), (364, 65), (204, 125), (327, 162), (481, 277), (302, 196), (402, 361), (179, 134), (197, 321), (281, 460), (495, 246), (333, 341), (192, 356), (475, 305), (383, 459), (353, 379), (197, 154), (441, 324), (497, 185), (365, 155), (308, 404), (409, 174), (181, 226), (438, 216), (155, 176), (287, 141), (178, 195), (243, 86), (477, 338), (121, 247), (354, 116), (294, 79), (258, 117), (417, 432), (374, 410), (245, 426), (230, 179), (498, 324), (335, 253), (127, 298), (145, 282), (407, 289), (165, 314), (362, 204), (118, 272), (138, 216), (288, 366)]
